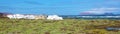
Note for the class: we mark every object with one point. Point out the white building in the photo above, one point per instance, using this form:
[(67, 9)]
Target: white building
[(15, 16), (29, 17), (20, 16), (54, 17), (26, 16)]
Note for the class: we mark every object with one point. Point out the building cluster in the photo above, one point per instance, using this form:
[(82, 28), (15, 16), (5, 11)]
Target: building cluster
[(29, 16), (54, 17)]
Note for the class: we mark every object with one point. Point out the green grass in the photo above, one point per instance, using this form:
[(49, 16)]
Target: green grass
[(67, 26)]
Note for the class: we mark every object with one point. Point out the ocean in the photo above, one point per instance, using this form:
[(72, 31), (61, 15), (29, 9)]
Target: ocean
[(90, 16)]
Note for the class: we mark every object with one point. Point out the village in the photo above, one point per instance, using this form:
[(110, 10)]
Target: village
[(31, 16)]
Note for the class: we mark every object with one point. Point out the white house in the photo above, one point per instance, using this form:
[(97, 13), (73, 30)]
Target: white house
[(20, 16), (29, 17), (54, 17), (25, 16), (15, 16)]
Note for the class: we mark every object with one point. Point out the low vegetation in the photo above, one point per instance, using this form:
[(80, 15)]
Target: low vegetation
[(67, 26)]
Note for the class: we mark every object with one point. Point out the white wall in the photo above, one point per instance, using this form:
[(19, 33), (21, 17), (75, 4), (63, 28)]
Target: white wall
[(54, 17), (20, 16)]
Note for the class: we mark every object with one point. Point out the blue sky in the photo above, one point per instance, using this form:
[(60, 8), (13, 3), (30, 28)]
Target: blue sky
[(60, 7)]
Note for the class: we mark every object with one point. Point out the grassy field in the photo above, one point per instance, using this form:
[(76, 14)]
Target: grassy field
[(67, 26)]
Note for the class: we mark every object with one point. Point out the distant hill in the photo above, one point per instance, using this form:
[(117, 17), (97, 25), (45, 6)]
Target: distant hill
[(3, 14), (104, 14)]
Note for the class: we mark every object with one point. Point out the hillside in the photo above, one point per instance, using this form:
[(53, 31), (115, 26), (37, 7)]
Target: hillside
[(67, 26)]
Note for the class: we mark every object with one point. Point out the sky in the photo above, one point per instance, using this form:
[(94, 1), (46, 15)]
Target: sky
[(60, 7)]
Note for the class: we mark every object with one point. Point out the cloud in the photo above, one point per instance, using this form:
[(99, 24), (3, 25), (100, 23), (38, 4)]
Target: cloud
[(102, 10)]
